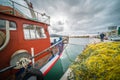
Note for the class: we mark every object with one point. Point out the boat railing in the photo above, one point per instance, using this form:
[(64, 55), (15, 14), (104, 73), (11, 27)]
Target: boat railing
[(25, 11), (45, 50), (49, 48)]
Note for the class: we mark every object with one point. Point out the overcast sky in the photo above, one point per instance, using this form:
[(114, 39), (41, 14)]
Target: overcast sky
[(80, 15)]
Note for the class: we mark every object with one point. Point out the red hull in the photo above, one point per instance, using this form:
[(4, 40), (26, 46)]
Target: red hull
[(17, 42)]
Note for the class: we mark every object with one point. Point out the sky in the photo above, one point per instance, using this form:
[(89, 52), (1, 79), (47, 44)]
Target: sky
[(79, 16), (89, 16)]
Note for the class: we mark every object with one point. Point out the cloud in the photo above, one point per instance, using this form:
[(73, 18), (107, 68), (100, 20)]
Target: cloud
[(77, 15)]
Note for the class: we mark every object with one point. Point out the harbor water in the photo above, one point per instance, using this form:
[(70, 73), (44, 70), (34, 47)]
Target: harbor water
[(71, 51)]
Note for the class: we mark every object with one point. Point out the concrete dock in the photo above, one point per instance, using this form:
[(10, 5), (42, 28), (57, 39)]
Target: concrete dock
[(67, 75)]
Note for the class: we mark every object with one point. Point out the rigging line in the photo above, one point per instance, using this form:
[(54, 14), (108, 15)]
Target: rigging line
[(66, 52), (7, 68), (68, 56)]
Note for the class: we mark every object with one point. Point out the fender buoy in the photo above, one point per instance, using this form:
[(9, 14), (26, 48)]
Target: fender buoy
[(35, 73)]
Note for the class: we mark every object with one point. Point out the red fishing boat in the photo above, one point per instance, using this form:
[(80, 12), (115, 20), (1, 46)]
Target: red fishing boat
[(25, 47)]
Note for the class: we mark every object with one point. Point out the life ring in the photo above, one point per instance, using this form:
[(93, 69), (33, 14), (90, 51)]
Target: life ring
[(2, 38), (34, 74)]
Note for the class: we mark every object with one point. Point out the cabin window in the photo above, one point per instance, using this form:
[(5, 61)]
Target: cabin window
[(33, 31), (11, 24)]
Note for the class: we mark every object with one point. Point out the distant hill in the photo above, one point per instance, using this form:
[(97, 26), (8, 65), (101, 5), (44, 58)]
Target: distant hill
[(80, 36), (55, 35)]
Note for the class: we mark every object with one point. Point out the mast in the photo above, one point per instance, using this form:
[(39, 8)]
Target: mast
[(30, 8)]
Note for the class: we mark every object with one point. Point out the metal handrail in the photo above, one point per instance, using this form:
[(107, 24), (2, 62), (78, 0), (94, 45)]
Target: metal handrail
[(47, 49), (38, 14), (11, 67)]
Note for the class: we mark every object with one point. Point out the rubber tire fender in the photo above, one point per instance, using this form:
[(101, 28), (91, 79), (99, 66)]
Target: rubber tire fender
[(32, 72)]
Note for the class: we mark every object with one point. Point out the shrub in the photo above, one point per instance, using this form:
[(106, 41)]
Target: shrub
[(99, 61)]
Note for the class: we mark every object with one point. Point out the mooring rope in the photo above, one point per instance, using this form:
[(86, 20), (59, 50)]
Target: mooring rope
[(66, 52)]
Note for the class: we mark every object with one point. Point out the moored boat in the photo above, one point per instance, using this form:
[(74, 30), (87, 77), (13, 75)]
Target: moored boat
[(25, 46)]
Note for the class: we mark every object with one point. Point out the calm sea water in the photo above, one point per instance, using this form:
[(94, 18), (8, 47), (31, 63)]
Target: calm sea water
[(71, 51)]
